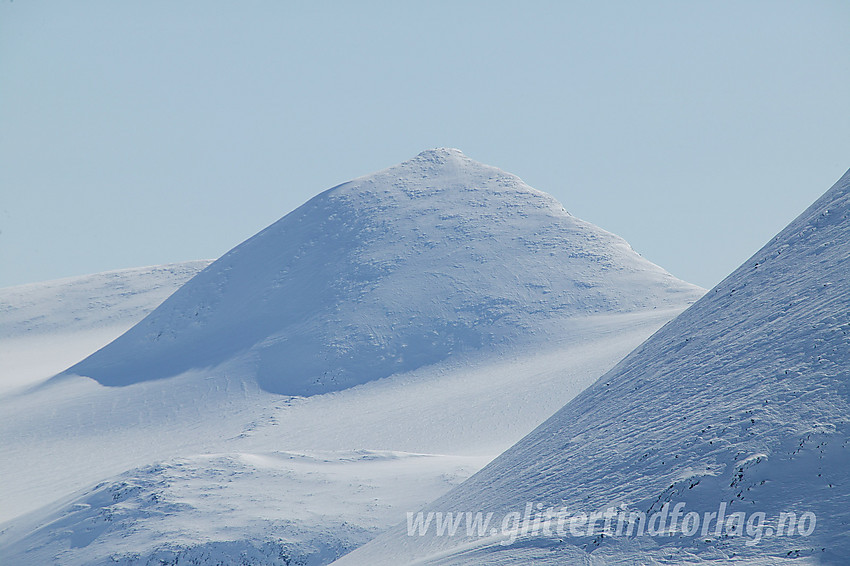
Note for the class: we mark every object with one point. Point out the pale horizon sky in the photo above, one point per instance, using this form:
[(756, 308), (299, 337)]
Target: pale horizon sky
[(137, 133)]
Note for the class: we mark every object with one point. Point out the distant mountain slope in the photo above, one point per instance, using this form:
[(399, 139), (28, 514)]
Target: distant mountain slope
[(743, 401), (44, 327), (388, 273)]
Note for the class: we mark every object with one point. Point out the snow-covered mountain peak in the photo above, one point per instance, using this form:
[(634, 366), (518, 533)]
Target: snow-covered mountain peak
[(442, 154), (468, 290), (441, 171), (437, 256), (445, 157)]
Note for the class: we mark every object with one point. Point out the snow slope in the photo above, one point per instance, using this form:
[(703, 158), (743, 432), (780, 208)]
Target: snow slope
[(743, 400), (71, 318), (220, 508), (428, 317), (388, 273)]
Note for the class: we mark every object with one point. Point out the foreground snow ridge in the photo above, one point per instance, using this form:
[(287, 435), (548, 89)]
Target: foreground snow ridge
[(404, 268), (740, 407)]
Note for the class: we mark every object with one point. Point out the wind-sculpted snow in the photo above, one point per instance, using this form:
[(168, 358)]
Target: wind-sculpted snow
[(387, 273), (742, 401)]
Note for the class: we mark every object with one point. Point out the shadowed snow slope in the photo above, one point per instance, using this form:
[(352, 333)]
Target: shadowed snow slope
[(743, 400), (388, 273)]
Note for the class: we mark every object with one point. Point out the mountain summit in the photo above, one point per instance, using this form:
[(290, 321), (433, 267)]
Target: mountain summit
[(436, 256)]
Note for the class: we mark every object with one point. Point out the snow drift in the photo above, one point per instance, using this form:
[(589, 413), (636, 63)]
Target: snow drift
[(387, 273), (741, 401)]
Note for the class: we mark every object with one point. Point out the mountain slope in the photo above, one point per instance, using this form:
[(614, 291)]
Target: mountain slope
[(742, 403), (45, 327), (388, 273)]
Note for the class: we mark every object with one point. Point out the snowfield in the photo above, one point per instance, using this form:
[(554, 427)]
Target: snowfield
[(357, 359), (739, 406)]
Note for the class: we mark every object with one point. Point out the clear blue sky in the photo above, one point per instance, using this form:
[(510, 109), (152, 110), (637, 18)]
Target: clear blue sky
[(137, 133)]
